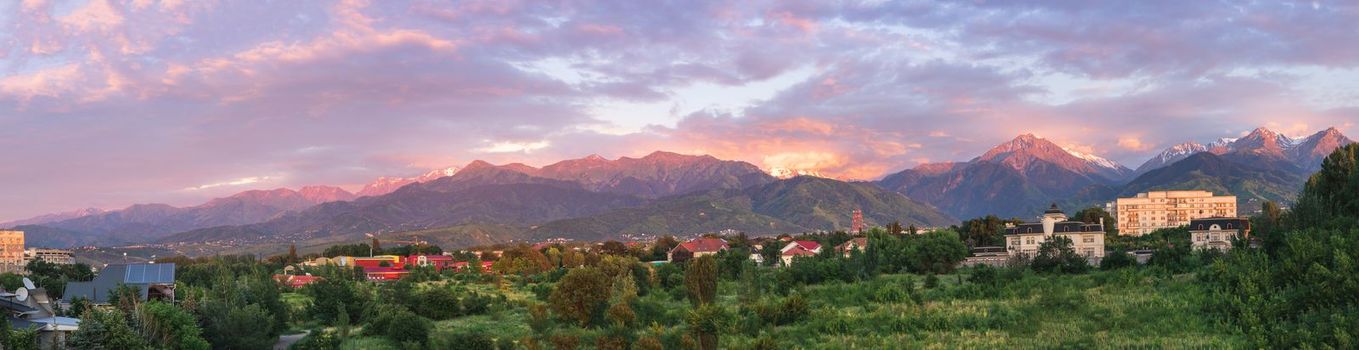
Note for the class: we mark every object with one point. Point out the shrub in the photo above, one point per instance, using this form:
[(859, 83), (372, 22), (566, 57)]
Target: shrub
[(462, 340), (1117, 259)]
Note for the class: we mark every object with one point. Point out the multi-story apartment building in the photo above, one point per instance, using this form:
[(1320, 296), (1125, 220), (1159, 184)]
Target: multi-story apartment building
[(54, 256), (1217, 233), (1087, 239), (12, 251), (1152, 211)]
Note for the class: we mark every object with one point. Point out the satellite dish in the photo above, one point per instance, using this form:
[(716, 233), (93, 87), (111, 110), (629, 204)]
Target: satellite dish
[(21, 294), (28, 283)]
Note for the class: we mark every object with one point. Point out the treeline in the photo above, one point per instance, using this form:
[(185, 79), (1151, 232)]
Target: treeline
[(1300, 289)]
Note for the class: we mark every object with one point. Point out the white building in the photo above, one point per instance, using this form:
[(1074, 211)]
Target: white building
[(1086, 239), (1217, 233)]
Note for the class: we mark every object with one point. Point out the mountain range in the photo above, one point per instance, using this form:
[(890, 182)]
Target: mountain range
[(146, 222), (594, 197), (1022, 176)]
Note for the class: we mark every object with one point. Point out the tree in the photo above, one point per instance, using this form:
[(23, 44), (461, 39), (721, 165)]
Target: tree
[(985, 231), (700, 280), (581, 295), (624, 292), (330, 292), (1096, 215), (19, 339), (169, 327), (705, 322), (770, 253), (105, 329), (613, 248), (1058, 255), (895, 228), (935, 252), (1328, 199), (377, 247)]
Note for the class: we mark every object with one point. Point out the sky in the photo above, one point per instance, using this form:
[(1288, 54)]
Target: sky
[(106, 103)]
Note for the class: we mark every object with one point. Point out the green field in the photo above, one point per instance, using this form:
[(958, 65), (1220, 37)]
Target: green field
[(1115, 309)]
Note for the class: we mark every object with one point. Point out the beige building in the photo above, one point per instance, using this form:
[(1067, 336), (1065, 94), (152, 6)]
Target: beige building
[(1217, 233), (54, 256), (1152, 211), (1086, 239), (12, 251)]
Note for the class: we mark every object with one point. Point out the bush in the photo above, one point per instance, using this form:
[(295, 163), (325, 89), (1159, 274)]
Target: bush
[(398, 324), (1117, 259), (462, 340)]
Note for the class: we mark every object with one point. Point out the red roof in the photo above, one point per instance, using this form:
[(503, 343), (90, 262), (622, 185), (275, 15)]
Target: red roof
[(858, 243), (808, 245), (704, 245), (799, 251)]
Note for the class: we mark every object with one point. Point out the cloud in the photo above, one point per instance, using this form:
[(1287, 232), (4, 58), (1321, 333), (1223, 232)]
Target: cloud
[(237, 182), (116, 102)]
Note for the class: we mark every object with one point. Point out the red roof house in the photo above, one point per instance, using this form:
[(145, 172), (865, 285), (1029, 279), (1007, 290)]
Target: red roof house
[(696, 248), (852, 245), (439, 262), (796, 251), (811, 246)]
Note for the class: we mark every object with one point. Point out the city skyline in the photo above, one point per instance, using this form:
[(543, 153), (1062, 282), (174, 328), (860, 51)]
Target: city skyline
[(114, 103)]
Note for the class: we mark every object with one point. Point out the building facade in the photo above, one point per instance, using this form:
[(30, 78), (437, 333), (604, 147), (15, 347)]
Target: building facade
[(1152, 211), (53, 256), (1217, 233), (12, 251), (1086, 239)]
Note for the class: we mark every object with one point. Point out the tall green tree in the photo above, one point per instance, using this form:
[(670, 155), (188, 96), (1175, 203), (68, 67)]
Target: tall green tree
[(700, 280)]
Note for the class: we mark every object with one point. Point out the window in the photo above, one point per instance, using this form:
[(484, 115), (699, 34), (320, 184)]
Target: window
[(1014, 241), (1089, 239), (1030, 240)]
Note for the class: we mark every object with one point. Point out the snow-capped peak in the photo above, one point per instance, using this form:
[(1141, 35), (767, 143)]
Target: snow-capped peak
[(1094, 159), (786, 173), (438, 173), (1183, 149), (1222, 142)]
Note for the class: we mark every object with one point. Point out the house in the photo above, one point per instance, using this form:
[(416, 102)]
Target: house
[(381, 274), (374, 261), (795, 251), (852, 245), (152, 281), (296, 281), (812, 246), (1217, 233), (696, 248), (992, 256), (30, 308), (1087, 239), (439, 262)]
